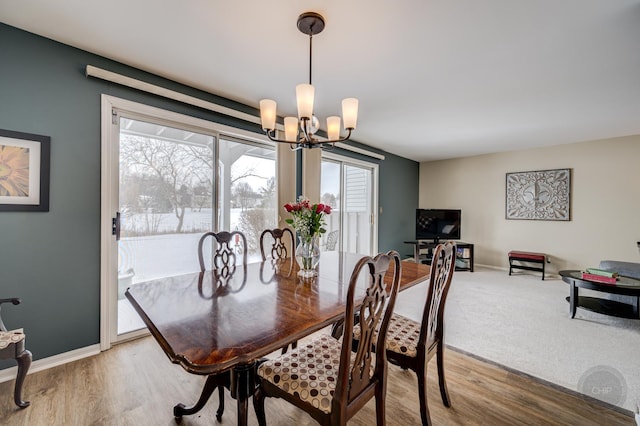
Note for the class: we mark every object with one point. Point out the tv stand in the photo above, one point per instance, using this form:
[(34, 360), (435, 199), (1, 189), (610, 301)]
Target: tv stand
[(423, 253)]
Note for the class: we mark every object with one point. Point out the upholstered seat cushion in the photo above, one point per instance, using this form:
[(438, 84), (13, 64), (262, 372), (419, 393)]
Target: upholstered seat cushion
[(402, 336), (308, 372), (538, 257), (9, 337)]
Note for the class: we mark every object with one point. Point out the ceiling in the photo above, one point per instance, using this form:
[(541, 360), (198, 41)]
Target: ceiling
[(436, 79)]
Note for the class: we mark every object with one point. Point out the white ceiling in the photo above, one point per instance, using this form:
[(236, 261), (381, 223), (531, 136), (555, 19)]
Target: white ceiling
[(436, 78)]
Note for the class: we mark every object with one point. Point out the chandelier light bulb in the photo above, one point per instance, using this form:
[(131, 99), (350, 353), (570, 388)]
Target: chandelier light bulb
[(268, 114), (350, 113), (290, 129), (304, 96), (333, 127)]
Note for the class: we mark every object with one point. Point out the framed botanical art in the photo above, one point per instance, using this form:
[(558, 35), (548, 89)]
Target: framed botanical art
[(539, 195), (24, 171)]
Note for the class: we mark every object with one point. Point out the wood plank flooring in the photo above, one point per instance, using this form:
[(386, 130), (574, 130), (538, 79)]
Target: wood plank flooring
[(135, 384)]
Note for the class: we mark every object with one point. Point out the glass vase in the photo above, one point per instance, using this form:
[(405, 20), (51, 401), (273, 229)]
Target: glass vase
[(308, 255)]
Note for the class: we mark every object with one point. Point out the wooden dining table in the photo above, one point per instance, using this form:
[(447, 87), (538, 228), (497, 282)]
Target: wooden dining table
[(211, 325)]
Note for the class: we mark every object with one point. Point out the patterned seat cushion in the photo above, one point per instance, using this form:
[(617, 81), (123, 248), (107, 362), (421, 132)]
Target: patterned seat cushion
[(402, 335), (309, 372), (9, 337)]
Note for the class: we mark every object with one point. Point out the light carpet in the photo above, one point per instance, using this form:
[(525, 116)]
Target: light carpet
[(523, 323)]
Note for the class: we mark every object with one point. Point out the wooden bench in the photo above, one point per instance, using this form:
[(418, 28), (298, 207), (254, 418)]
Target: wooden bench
[(528, 257)]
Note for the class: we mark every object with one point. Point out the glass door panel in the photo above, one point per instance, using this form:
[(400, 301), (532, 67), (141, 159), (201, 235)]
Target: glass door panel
[(357, 210), (330, 184), (165, 204), (348, 187), (247, 193)]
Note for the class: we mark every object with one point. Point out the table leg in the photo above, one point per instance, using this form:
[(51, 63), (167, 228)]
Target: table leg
[(210, 385), (573, 299), (242, 387)]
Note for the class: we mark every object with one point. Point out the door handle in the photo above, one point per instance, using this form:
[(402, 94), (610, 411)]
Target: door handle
[(115, 226)]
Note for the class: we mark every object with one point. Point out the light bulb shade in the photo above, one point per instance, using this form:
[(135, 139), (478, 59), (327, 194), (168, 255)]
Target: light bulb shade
[(290, 129), (333, 128), (304, 96), (350, 112), (268, 114)]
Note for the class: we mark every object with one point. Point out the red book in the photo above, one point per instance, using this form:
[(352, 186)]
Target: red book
[(599, 278)]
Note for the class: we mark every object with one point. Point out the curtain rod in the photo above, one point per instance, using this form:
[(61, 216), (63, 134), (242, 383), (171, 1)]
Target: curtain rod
[(92, 71)]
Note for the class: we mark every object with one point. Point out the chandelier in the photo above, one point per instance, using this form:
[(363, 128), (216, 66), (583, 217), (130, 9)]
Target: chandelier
[(299, 131)]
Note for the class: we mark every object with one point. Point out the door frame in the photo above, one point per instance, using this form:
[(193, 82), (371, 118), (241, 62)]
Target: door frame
[(343, 159), (111, 109)]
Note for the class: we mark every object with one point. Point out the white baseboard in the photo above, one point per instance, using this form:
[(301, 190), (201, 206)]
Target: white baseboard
[(52, 361), (497, 268)]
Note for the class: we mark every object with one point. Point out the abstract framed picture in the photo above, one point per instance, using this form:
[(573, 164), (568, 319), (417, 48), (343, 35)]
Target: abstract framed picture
[(24, 171), (539, 195)]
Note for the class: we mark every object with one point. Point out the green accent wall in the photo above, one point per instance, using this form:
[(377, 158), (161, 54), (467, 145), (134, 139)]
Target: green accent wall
[(52, 259)]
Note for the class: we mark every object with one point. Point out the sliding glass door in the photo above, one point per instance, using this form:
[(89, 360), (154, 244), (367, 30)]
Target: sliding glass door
[(350, 187), (165, 200), (167, 179)]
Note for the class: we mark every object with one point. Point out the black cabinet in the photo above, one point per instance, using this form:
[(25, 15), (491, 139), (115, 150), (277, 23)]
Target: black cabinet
[(423, 253)]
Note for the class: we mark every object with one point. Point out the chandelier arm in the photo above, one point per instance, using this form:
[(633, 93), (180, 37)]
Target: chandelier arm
[(305, 131), (305, 141), (294, 145), (271, 135)]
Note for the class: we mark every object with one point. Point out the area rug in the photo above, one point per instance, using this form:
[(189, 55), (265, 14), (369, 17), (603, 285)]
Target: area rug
[(523, 323)]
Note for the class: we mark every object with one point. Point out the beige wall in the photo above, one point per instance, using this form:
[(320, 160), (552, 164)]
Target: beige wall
[(605, 202)]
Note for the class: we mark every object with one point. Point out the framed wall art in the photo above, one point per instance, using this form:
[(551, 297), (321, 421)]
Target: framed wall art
[(24, 171), (539, 195)]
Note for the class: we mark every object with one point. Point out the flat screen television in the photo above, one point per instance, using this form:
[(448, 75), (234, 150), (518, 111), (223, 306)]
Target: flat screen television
[(438, 224)]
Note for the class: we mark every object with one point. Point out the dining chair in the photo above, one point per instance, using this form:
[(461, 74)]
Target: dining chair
[(278, 252), (224, 254), (331, 241), (228, 245), (410, 344), (279, 248), (12, 346), (324, 377)]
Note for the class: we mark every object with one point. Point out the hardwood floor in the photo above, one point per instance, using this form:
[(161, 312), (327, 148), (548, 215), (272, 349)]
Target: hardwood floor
[(135, 384)]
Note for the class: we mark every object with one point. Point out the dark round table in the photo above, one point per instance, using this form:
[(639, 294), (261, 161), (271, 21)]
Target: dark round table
[(626, 286)]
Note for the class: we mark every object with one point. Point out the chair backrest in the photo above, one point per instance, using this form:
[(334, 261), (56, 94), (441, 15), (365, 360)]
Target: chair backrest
[(279, 246), (442, 267), (223, 259), (357, 374), (14, 301), (331, 241)]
